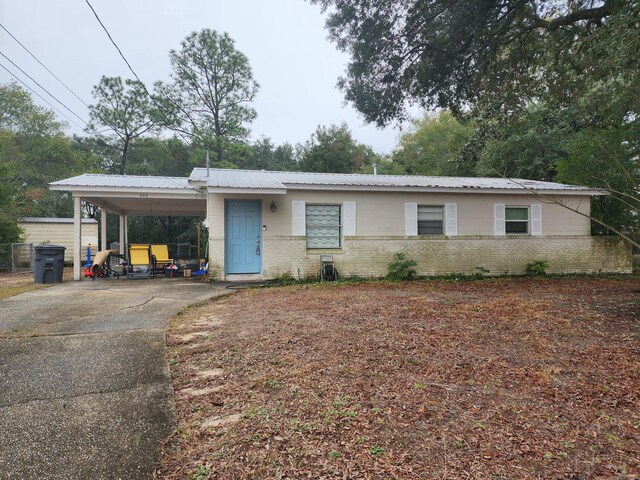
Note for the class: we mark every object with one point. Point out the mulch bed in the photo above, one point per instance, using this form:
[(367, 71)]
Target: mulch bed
[(498, 378)]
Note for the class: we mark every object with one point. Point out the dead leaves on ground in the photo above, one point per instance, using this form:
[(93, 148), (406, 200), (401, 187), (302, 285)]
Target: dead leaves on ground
[(511, 378)]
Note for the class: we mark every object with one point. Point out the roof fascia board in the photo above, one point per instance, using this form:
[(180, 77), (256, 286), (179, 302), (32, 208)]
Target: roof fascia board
[(268, 191), (79, 191), (519, 191)]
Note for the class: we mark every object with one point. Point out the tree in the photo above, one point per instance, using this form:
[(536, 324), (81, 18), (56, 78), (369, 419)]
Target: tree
[(212, 87), (154, 156), (124, 108), (267, 156), (330, 149), (464, 53), (9, 231), (435, 145), (19, 115)]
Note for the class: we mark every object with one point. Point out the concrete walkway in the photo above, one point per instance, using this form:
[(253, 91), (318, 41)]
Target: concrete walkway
[(84, 385)]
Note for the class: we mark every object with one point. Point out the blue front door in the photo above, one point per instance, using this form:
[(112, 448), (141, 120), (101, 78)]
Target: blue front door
[(243, 241)]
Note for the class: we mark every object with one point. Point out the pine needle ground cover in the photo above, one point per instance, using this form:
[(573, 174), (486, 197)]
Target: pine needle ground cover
[(502, 378)]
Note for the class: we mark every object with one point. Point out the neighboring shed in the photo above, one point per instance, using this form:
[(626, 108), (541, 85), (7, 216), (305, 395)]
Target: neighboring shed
[(59, 231)]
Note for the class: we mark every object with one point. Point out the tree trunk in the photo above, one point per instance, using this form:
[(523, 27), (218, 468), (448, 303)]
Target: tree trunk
[(125, 153)]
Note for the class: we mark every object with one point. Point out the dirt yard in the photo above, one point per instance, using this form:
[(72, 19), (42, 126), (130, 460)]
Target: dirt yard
[(501, 379), (15, 284)]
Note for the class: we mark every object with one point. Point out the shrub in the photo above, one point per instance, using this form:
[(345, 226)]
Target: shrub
[(537, 268), (401, 268)]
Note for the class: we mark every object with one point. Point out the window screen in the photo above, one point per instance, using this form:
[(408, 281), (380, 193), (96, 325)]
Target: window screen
[(323, 226), (516, 220), (430, 220)]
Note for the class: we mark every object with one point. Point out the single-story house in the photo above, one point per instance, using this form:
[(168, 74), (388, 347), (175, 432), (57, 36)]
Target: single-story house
[(266, 224), (59, 231)]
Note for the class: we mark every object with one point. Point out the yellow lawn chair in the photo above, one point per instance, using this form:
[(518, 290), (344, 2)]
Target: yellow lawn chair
[(160, 256), (140, 261)]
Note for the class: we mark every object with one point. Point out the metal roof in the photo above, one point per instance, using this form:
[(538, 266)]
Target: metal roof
[(279, 182), (261, 179), (53, 220), (123, 181)]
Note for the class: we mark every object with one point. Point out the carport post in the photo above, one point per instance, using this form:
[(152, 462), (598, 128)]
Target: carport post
[(103, 228), (123, 223), (77, 237)]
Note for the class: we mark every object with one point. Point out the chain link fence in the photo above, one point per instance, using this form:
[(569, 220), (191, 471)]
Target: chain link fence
[(21, 257)]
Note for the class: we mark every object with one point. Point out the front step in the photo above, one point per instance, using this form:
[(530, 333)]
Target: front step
[(243, 277)]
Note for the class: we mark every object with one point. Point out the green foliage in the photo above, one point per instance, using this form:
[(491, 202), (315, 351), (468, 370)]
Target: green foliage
[(126, 110), (201, 472), (529, 146), (435, 145), (264, 155), (330, 149), (19, 115), (9, 231), (33, 152), (401, 268), (459, 54), (537, 268), (210, 92), (376, 451)]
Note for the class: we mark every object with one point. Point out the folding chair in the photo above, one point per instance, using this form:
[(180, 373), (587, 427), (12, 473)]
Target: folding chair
[(140, 261), (160, 256)]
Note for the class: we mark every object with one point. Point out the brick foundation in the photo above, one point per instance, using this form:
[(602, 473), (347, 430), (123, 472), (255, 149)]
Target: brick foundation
[(369, 256)]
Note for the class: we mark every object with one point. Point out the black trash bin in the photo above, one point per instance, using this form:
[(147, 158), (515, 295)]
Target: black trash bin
[(48, 263)]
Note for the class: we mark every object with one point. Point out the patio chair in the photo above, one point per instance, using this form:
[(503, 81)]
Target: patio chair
[(140, 262), (160, 256)]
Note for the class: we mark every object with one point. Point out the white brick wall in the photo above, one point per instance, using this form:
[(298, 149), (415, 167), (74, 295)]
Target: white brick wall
[(369, 256)]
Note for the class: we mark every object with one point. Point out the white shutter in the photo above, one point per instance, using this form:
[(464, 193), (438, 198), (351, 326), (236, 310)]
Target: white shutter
[(536, 219), (498, 219), (411, 219), (451, 219), (298, 219), (349, 219)]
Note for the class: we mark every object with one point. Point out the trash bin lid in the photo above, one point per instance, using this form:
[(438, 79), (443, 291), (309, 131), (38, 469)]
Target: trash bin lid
[(46, 245)]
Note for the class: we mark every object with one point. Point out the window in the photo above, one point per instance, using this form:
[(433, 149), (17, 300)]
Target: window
[(516, 220), (430, 220), (324, 227)]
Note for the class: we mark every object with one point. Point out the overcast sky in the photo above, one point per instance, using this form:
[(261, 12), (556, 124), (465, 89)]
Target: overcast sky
[(285, 40)]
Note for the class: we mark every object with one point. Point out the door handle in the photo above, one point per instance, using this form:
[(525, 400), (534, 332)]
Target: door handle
[(257, 244)]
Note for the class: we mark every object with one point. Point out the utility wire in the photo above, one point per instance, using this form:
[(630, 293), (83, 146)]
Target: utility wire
[(38, 95), (160, 109), (43, 65), (48, 92)]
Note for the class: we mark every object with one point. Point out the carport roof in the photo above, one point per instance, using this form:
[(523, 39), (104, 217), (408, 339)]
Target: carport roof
[(93, 180), (137, 194)]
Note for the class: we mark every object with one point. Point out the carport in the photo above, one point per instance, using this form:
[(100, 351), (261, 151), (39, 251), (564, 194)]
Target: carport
[(128, 195)]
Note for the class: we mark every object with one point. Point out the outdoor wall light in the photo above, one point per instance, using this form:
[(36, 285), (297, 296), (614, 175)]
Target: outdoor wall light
[(273, 206)]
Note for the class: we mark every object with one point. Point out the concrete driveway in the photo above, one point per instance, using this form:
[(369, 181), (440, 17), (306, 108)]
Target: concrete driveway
[(85, 389)]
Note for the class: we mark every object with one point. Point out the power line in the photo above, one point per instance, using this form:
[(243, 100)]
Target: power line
[(131, 68), (48, 92), (38, 95), (43, 65)]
